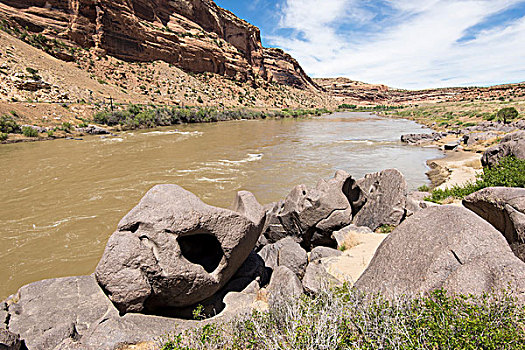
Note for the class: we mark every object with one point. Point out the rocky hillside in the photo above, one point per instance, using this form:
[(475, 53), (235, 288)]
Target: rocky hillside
[(196, 36), (356, 92)]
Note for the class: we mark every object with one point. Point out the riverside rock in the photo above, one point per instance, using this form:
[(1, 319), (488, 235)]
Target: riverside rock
[(511, 145), (74, 313), (284, 285), (444, 247), (311, 214), (172, 250), (287, 253), (504, 208), (385, 194)]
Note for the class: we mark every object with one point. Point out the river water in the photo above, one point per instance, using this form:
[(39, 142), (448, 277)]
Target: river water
[(60, 200)]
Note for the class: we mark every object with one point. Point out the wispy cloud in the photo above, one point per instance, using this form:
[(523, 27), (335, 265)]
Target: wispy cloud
[(405, 43)]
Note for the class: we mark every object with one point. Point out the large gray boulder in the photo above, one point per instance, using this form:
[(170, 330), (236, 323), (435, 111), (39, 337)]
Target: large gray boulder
[(74, 313), (317, 278), (385, 194), (504, 208), (172, 250), (445, 247), (286, 253), (311, 214), (511, 145)]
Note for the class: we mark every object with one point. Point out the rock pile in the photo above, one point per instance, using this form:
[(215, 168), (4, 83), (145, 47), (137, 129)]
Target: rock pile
[(173, 253)]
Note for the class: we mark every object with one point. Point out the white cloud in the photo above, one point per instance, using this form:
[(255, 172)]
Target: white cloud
[(418, 46)]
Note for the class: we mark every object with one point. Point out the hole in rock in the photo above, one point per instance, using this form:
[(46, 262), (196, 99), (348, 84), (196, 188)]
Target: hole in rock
[(202, 249)]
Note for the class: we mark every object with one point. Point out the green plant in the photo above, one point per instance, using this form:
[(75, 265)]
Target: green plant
[(28, 131), (50, 133), (423, 188), (507, 114), (8, 125), (385, 229), (67, 127), (3, 136), (343, 318), (510, 172)]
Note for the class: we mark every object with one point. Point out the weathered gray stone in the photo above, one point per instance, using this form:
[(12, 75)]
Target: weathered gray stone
[(74, 313), (247, 205), (323, 252), (444, 247), (504, 208), (311, 214), (9, 341), (283, 286), (385, 194), (511, 145), (287, 253), (93, 130), (317, 278), (173, 250)]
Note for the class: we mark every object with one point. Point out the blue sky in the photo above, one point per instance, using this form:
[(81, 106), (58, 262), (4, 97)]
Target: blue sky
[(402, 43)]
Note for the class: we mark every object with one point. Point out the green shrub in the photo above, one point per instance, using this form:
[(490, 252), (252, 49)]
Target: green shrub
[(29, 131), (50, 133), (8, 125), (345, 319), (507, 114), (3, 136), (510, 172), (67, 127)]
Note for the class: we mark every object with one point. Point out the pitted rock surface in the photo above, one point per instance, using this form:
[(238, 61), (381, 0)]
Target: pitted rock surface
[(173, 250)]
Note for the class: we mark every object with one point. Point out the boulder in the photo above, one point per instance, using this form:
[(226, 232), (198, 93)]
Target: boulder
[(317, 278), (504, 208), (93, 130), (385, 194), (287, 253), (312, 214), (283, 286), (273, 229), (247, 205), (74, 313), (345, 237), (323, 252), (172, 250), (444, 247), (511, 145), (417, 139)]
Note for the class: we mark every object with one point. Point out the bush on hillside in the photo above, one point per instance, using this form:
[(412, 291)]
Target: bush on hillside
[(8, 125), (507, 114), (29, 131)]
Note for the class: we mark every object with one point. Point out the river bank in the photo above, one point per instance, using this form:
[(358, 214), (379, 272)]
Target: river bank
[(76, 121)]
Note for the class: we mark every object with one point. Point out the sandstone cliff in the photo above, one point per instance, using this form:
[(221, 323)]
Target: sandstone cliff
[(194, 35)]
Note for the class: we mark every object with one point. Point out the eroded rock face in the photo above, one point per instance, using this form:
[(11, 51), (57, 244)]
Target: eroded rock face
[(511, 145), (444, 247), (283, 286), (385, 193), (74, 313), (173, 250), (287, 253), (504, 208), (194, 35), (310, 215)]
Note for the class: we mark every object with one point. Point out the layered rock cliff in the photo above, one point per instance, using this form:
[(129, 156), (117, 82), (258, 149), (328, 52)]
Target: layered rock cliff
[(194, 35)]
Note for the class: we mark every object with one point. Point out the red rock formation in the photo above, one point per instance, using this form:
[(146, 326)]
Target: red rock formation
[(195, 35)]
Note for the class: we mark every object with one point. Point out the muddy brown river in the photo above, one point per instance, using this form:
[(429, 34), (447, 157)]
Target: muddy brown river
[(60, 200)]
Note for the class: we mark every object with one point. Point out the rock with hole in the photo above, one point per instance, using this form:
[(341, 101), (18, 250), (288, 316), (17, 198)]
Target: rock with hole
[(172, 250)]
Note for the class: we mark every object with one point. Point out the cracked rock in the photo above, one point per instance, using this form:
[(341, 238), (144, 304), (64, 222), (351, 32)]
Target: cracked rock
[(445, 247)]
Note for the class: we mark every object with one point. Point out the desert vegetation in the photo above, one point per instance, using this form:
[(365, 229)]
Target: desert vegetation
[(138, 116), (510, 172), (343, 318)]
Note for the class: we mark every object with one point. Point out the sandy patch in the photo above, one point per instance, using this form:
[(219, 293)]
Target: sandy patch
[(355, 260)]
